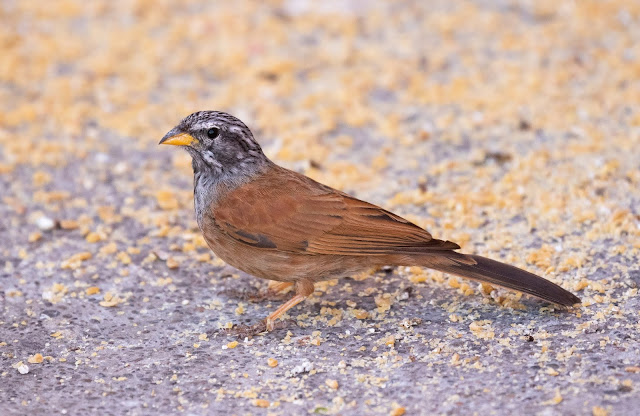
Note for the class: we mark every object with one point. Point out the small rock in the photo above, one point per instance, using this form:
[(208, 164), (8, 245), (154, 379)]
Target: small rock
[(23, 368), (305, 367), (45, 223)]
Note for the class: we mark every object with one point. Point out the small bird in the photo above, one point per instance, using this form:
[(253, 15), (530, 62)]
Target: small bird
[(279, 225)]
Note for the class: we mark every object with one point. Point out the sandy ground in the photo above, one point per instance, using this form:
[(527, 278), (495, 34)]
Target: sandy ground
[(512, 128)]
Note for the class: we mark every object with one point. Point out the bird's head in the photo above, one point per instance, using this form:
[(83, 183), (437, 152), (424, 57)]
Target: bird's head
[(218, 143)]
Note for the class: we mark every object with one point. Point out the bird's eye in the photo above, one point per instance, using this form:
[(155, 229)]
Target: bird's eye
[(213, 132)]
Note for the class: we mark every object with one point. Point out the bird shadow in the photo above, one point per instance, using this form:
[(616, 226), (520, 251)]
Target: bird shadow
[(248, 331)]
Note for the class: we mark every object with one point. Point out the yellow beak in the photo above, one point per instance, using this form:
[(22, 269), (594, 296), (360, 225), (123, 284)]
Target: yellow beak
[(179, 139)]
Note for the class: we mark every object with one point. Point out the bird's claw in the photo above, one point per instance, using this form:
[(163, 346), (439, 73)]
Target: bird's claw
[(242, 331), (264, 325)]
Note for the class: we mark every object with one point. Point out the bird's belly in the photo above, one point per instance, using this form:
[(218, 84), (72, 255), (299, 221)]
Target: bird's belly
[(284, 266)]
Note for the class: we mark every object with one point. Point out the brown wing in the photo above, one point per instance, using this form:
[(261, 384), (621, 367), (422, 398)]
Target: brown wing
[(285, 211)]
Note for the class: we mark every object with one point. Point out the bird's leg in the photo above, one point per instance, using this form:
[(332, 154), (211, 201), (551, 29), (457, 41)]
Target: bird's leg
[(273, 290), (277, 287), (304, 288)]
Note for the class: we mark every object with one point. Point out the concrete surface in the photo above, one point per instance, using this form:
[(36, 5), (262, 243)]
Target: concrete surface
[(511, 128)]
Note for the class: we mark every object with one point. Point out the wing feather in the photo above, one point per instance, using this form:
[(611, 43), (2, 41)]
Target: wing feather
[(300, 215)]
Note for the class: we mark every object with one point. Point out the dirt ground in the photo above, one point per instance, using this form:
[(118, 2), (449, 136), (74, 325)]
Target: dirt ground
[(511, 128)]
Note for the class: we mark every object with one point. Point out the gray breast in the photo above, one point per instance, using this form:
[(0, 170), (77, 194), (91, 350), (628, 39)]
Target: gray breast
[(204, 189)]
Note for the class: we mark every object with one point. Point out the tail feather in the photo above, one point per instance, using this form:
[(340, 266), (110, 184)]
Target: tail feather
[(500, 274)]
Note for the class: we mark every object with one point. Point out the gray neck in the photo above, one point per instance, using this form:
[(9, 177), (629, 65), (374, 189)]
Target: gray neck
[(209, 185)]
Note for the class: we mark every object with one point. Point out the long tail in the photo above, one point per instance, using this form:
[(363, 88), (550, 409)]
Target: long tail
[(500, 274)]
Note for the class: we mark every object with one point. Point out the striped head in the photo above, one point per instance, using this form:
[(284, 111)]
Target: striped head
[(219, 144)]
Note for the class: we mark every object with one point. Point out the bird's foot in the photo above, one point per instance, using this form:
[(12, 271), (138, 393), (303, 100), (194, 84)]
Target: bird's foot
[(274, 291), (242, 331)]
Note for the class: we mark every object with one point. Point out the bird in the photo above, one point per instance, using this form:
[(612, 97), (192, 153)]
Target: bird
[(280, 225)]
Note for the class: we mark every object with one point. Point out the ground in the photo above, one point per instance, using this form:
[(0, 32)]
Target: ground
[(512, 128)]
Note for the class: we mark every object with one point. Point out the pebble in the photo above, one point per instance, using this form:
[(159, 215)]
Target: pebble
[(45, 223), (305, 367), (23, 369)]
